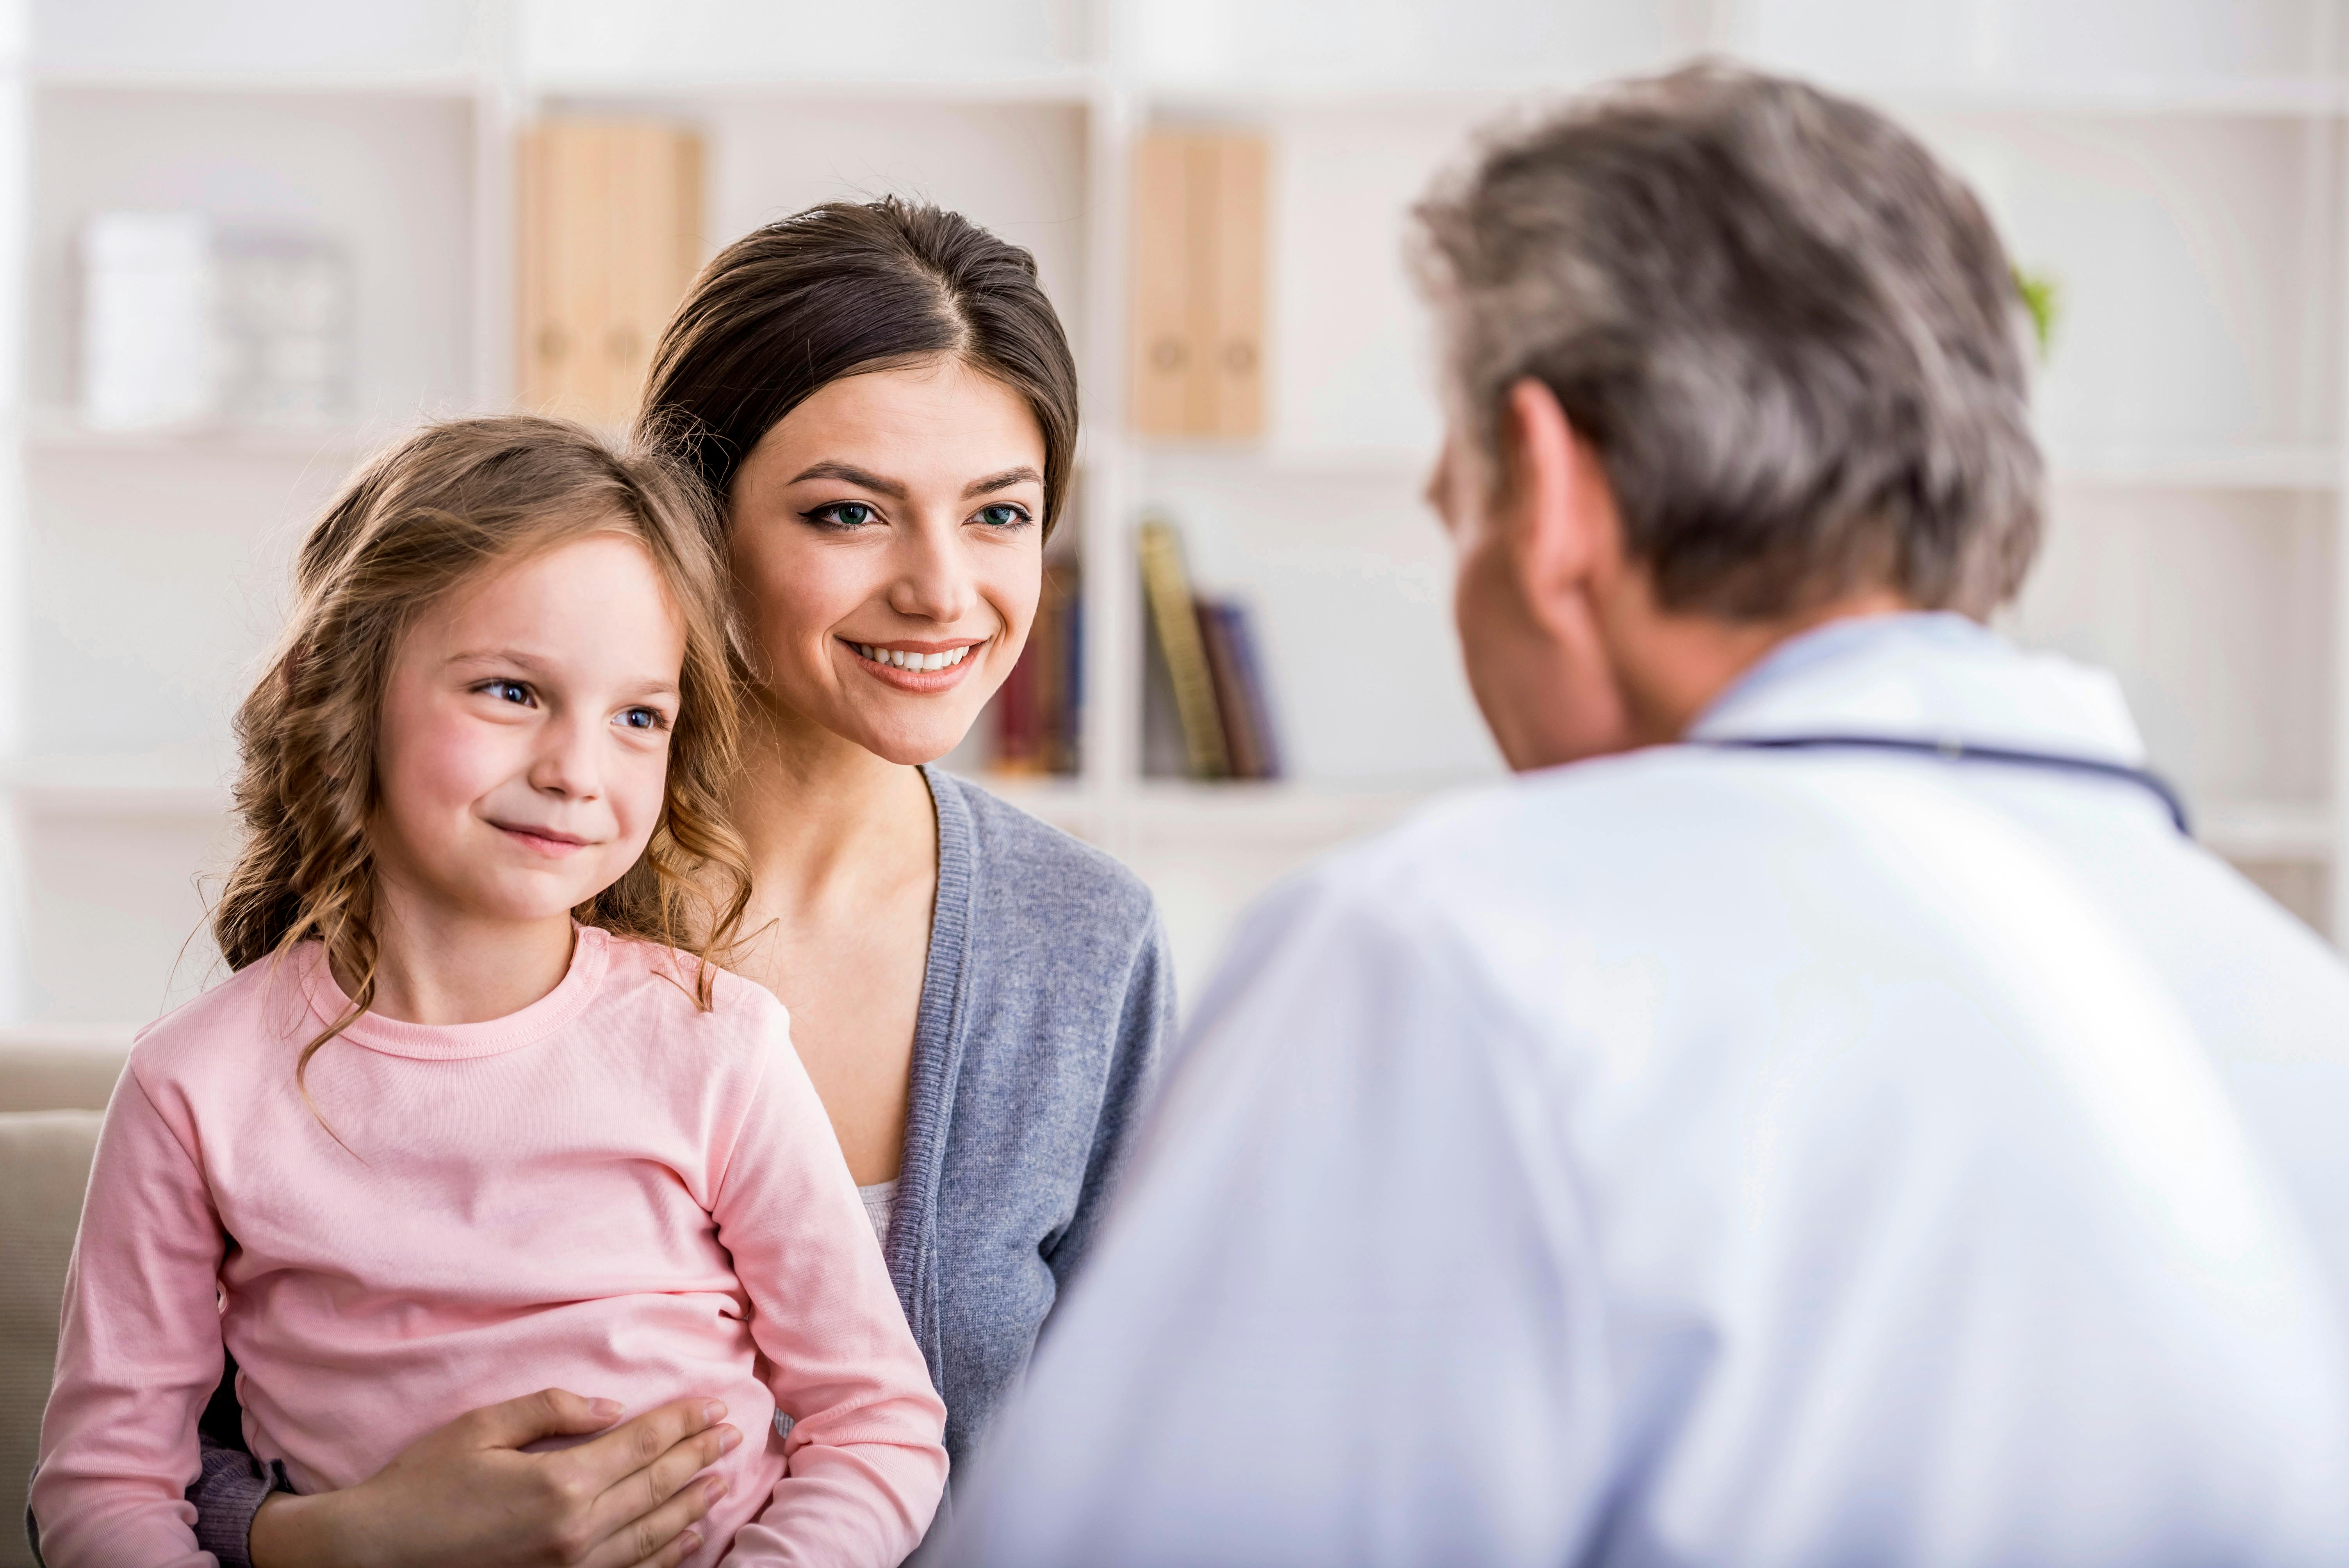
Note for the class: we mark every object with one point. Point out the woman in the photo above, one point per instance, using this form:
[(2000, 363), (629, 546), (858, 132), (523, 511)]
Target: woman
[(883, 398)]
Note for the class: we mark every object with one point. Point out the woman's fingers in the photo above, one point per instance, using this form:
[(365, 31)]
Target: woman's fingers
[(665, 1537), (549, 1413), (633, 1445), (641, 1492)]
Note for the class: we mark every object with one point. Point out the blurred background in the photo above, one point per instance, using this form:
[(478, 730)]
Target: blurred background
[(243, 241)]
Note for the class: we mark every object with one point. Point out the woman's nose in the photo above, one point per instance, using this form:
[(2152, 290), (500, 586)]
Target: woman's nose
[(933, 581)]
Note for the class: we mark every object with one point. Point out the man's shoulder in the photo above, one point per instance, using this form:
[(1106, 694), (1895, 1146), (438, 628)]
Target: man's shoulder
[(1628, 813)]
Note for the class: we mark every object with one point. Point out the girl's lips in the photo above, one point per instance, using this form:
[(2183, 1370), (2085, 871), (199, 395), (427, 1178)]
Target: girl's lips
[(546, 840), (939, 680)]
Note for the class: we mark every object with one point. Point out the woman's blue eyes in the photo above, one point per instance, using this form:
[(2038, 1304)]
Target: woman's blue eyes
[(1003, 516), (843, 514), (643, 718)]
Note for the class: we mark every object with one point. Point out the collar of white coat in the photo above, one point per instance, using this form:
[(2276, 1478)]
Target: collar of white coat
[(1926, 676)]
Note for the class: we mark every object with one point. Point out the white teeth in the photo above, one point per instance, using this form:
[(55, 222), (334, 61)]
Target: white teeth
[(899, 659)]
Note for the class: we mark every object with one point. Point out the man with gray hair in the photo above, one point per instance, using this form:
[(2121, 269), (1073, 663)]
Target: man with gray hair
[(1824, 1110)]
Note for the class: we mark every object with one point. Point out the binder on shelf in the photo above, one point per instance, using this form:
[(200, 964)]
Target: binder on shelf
[(1198, 285), (610, 239)]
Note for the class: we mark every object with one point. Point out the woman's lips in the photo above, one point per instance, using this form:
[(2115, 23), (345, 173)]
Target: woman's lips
[(963, 650)]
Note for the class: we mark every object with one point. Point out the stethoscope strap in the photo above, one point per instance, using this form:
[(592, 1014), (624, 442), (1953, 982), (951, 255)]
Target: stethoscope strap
[(1964, 751)]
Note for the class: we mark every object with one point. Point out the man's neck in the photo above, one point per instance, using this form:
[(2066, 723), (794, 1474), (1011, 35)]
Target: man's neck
[(1672, 666)]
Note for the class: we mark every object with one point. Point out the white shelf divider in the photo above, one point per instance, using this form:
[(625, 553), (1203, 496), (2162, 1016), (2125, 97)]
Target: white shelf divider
[(1073, 85), (427, 84)]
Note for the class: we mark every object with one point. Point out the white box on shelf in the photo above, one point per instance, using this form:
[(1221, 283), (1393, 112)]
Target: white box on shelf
[(285, 323), (147, 346), (188, 322)]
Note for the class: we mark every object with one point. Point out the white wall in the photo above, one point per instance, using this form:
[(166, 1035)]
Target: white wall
[(1017, 169), (255, 37), (2075, 43)]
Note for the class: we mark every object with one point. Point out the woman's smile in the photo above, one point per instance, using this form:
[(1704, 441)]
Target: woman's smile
[(917, 666)]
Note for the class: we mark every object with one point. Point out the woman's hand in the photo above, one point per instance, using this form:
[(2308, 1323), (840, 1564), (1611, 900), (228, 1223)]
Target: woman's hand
[(466, 1494)]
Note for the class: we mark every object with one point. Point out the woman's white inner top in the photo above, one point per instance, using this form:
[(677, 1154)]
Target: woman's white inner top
[(879, 1198)]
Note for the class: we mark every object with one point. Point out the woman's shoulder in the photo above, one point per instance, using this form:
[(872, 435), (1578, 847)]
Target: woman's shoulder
[(1028, 865)]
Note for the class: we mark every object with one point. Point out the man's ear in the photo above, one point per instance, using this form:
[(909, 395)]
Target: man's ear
[(1562, 530)]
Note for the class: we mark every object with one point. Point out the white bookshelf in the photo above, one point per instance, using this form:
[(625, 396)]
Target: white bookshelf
[(2178, 163)]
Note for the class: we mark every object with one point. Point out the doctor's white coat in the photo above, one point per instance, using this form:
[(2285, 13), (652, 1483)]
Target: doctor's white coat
[(1732, 1157)]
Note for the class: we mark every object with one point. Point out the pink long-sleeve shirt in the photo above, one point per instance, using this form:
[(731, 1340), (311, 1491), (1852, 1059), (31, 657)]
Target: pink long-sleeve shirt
[(609, 1191)]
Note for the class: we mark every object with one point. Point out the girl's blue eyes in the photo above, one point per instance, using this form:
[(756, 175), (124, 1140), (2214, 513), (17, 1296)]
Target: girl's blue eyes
[(851, 514), (515, 692)]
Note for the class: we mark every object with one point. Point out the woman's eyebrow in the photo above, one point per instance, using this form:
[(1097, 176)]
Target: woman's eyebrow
[(848, 473), (1004, 480)]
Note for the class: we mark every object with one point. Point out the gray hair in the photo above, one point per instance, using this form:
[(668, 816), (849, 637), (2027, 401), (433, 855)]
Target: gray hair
[(1792, 337)]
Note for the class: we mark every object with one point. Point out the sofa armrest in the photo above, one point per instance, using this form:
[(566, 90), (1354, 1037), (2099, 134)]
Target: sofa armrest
[(44, 1170)]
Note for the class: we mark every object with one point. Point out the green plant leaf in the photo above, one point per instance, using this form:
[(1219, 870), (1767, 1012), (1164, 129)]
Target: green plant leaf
[(2042, 296)]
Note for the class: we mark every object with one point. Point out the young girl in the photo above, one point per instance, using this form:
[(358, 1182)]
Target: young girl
[(464, 1122)]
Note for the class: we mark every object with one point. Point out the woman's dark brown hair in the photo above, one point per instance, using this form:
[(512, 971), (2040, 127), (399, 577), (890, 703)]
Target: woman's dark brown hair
[(839, 290), (436, 512)]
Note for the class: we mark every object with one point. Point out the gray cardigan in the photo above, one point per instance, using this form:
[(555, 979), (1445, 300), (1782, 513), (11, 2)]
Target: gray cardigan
[(1047, 995)]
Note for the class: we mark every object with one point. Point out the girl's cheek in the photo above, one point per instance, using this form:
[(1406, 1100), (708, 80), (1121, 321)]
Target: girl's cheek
[(647, 791)]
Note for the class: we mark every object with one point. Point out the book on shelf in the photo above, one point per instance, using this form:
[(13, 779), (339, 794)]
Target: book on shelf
[(1241, 699), (1040, 709), (1203, 677)]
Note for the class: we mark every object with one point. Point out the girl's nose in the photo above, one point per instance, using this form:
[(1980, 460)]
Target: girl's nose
[(567, 758)]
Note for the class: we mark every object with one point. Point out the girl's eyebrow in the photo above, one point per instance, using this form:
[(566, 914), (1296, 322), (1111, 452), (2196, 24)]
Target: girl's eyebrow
[(528, 661), (1004, 480), (531, 663), (848, 473)]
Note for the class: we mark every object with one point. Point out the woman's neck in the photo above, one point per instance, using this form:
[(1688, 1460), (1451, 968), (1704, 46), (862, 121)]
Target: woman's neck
[(823, 817), (435, 966)]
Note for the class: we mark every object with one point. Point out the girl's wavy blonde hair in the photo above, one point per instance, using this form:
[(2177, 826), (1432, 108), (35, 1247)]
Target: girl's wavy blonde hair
[(425, 517)]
